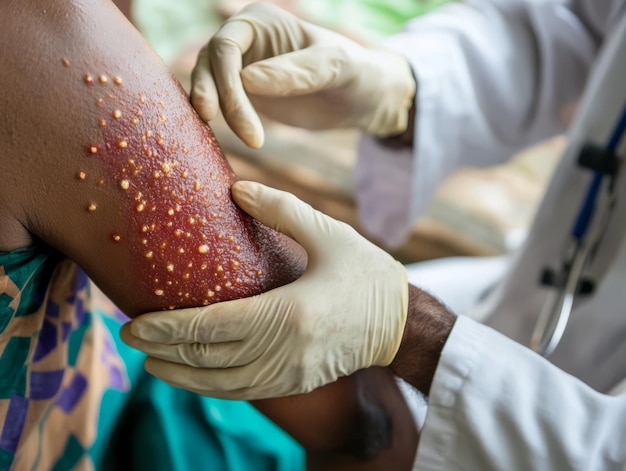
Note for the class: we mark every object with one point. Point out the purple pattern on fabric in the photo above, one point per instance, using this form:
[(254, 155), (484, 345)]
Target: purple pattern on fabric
[(116, 377), (45, 384), (80, 310), (66, 330), (47, 340), (81, 280), (14, 423), (70, 299), (52, 310), (72, 393), (109, 345), (120, 316)]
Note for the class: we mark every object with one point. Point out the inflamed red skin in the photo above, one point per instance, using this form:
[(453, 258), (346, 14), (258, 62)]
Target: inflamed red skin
[(197, 247), (104, 159)]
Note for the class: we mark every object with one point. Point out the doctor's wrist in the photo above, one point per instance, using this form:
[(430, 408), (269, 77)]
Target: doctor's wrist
[(427, 328)]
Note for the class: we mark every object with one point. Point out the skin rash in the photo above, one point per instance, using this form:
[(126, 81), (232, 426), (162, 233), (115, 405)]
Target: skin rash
[(197, 247)]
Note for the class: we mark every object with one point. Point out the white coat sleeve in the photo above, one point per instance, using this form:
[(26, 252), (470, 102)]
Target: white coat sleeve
[(493, 76), (497, 405)]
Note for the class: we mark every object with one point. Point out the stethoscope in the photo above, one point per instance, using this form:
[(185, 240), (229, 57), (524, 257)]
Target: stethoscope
[(569, 282)]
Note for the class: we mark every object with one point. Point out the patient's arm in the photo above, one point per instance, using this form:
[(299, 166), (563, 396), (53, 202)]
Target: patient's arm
[(104, 159), (109, 165)]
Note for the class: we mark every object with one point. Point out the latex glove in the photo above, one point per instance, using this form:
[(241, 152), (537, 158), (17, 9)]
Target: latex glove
[(299, 74), (346, 312)]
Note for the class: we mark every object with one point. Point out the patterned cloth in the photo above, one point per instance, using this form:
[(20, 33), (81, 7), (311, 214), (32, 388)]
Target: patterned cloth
[(48, 341), (66, 400)]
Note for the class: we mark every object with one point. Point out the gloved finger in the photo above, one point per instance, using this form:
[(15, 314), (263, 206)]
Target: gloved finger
[(198, 355), (244, 394), (225, 57), (128, 338), (285, 213), (148, 348), (255, 393), (206, 380), (204, 97), (222, 322), (321, 114), (296, 73)]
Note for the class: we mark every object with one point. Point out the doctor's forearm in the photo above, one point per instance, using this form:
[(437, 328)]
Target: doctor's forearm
[(427, 328)]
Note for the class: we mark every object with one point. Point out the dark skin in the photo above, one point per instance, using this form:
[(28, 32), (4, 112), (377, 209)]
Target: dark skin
[(427, 328), (98, 144)]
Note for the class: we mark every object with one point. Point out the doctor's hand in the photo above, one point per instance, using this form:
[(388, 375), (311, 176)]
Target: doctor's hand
[(265, 59), (346, 312)]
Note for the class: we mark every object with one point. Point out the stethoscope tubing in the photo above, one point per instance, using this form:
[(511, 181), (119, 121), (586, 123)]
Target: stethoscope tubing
[(557, 309)]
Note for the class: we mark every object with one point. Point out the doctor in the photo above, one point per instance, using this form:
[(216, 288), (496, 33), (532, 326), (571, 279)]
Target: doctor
[(468, 84)]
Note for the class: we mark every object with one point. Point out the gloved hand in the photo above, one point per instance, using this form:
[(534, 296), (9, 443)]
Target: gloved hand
[(299, 74), (346, 312)]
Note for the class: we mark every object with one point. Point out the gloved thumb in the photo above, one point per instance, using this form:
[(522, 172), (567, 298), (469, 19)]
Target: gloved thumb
[(285, 213), (295, 73)]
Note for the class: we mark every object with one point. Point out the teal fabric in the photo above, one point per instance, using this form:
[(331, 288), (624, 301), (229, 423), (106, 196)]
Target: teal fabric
[(72, 454), (30, 269), (12, 370), (158, 427)]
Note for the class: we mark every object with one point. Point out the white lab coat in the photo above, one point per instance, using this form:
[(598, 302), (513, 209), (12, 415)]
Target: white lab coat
[(493, 77)]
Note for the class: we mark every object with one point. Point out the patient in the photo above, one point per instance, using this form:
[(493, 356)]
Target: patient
[(105, 165)]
